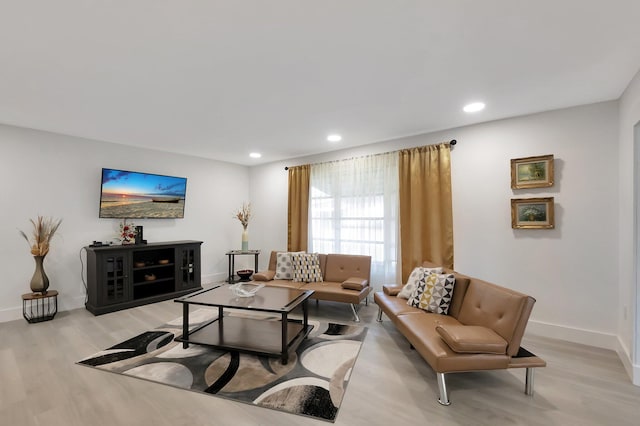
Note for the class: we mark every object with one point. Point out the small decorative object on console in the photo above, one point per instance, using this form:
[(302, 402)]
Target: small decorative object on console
[(127, 232), (139, 239), (245, 290)]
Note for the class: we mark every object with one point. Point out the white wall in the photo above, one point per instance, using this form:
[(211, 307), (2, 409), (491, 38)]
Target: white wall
[(629, 317), (57, 175), (572, 270)]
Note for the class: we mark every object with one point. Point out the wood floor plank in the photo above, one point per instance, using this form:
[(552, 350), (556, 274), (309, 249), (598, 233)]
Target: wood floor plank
[(390, 383)]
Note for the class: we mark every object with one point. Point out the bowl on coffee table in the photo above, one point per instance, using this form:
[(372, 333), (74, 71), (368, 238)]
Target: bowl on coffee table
[(245, 289), (245, 274)]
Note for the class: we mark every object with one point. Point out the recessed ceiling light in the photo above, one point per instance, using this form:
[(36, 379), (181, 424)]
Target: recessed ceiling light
[(474, 107), (334, 138), (255, 155)]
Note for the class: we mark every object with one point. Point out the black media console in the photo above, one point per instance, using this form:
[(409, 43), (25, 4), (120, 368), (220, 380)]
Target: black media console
[(120, 277)]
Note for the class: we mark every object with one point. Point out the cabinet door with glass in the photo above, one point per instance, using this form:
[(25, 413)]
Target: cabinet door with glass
[(115, 286), (188, 266)]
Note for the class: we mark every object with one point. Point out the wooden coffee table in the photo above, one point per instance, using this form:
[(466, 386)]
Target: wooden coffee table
[(246, 334)]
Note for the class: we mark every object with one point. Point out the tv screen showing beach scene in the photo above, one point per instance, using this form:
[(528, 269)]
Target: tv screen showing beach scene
[(135, 195)]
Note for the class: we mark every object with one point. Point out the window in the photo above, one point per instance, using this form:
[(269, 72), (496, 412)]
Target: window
[(354, 210)]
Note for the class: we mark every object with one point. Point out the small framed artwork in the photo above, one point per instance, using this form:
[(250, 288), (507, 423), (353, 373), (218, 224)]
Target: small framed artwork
[(532, 172), (532, 213)]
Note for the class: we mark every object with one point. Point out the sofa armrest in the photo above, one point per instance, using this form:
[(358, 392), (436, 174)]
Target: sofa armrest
[(355, 283), (472, 339), (264, 275), (392, 289)]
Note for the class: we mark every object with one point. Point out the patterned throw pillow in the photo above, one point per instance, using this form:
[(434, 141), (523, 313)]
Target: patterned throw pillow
[(306, 267), (413, 279), (284, 266), (433, 293)]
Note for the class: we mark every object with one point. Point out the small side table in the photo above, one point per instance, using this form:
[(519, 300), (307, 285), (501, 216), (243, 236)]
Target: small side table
[(232, 254), (38, 307)]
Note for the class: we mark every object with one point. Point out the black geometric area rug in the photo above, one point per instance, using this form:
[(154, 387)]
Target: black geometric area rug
[(312, 383)]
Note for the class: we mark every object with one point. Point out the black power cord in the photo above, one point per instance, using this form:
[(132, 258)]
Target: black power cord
[(84, 282)]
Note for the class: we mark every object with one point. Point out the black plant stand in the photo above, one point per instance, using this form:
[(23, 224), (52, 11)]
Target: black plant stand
[(38, 307)]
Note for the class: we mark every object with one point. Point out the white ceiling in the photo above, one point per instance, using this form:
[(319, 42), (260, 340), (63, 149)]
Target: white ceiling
[(219, 79)]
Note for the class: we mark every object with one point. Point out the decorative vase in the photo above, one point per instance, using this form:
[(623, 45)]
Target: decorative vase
[(245, 240), (39, 281)]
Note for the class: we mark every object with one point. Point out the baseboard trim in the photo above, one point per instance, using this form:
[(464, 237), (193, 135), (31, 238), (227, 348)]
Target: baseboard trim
[(589, 338), (11, 314), (625, 356), (573, 334), (214, 278), (66, 303)]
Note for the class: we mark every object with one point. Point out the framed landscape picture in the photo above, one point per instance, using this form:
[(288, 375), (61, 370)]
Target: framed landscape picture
[(532, 213), (532, 172)]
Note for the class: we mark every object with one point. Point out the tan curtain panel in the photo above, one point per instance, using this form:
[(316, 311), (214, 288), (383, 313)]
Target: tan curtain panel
[(298, 208), (426, 219)]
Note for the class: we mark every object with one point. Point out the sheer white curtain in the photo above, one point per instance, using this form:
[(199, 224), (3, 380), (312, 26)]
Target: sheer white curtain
[(353, 209)]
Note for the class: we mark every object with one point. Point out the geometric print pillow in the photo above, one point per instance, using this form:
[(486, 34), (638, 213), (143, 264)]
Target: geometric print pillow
[(306, 267), (284, 266), (416, 275), (434, 293)]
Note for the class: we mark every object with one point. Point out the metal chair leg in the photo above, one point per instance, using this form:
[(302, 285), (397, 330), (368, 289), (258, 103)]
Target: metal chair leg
[(528, 384), (442, 387), (379, 319), (355, 314)]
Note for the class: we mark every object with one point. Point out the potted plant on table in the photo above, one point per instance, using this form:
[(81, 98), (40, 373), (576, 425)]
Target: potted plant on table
[(44, 228), (243, 215)]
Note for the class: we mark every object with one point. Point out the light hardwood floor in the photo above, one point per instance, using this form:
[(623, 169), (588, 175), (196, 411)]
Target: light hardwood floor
[(40, 384)]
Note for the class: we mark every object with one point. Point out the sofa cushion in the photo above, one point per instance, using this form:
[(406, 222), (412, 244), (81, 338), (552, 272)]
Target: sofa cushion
[(339, 267), (503, 310), (462, 284), (285, 284), (420, 331), (354, 283), (306, 267), (394, 307), (433, 293), (472, 339), (413, 279), (391, 289), (284, 266), (264, 276), (333, 291)]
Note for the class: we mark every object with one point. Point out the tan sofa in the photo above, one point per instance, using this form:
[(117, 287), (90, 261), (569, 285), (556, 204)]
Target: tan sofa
[(338, 271), (482, 331)]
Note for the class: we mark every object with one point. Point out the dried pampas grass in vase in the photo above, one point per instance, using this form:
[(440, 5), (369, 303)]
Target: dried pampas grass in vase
[(44, 228)]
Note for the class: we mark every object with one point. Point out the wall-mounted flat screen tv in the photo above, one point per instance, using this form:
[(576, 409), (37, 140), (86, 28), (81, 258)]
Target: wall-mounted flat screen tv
[(135, 195)]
